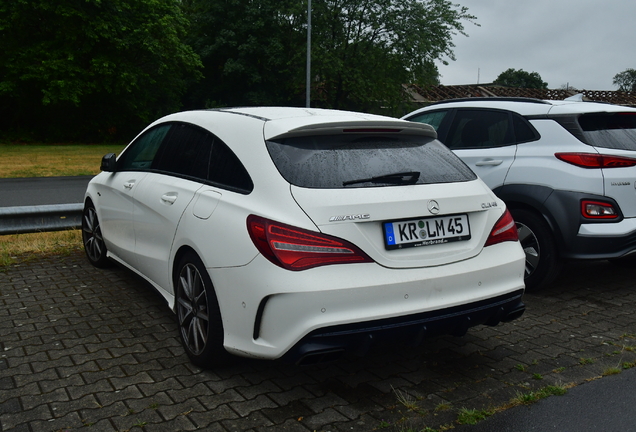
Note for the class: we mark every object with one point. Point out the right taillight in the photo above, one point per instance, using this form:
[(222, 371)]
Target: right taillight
[(595, 160), (503, 231)]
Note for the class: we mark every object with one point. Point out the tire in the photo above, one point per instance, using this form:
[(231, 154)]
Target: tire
[(542, 261), (198, 314), (92, 238)]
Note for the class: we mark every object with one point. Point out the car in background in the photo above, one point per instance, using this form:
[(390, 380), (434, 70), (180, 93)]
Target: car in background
[(566, 170), (299, 234)]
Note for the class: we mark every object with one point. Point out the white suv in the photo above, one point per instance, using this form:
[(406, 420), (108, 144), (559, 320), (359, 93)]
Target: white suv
[(566, 170)]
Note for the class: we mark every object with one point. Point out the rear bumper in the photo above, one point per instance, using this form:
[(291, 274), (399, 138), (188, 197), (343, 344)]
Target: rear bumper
[(328, 343), (268, 311), (603, 241)]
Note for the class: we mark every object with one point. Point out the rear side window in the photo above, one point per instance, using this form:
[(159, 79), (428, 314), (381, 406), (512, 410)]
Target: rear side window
[(364, 160), (614, 131), (187, 152), (479, 129)]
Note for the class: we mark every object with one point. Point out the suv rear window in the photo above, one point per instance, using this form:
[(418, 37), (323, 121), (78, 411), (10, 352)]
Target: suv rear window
[(615, 131), (347, 160)]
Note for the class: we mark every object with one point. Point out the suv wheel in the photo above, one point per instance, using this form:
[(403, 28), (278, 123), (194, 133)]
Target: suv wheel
[(542, 262)]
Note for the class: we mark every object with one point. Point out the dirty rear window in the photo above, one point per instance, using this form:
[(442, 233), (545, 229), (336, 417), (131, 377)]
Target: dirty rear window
[(354, 160), (614, 131)]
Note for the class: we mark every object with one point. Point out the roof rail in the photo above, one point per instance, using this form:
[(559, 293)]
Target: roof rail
[(495, 98)]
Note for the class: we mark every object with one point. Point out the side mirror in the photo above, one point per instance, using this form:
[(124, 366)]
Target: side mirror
[(109, 163)]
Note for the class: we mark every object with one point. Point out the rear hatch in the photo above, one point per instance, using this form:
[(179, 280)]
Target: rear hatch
[(614, 134), (398, 194)]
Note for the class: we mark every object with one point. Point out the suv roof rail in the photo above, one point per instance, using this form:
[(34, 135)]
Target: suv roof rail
[(496, 98)]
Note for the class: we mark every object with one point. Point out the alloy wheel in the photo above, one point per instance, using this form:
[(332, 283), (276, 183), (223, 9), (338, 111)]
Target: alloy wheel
[(192, 309)]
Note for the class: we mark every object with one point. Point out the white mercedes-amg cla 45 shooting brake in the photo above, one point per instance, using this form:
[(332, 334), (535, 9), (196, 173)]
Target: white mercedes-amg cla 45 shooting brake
[(299, 234)]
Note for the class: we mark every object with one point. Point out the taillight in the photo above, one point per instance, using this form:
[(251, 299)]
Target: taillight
[(299, 249), (594, 160), (503, 231), (598, 210)]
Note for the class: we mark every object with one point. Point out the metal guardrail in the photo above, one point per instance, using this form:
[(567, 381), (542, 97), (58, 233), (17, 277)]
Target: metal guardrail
[(30, 219)]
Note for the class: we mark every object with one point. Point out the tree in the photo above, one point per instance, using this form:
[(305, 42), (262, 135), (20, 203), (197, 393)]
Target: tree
[(363, 51), (76, 69), (367, 49), (626, 80), (521, 79), (253, 52)]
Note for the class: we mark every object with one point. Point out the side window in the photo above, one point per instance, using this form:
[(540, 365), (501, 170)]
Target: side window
[(433, 118), (186, 152), (524, 132), (226, 169), (479, 129), (141, 153)]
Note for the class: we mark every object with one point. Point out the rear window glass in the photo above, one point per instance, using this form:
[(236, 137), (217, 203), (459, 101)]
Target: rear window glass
[(362, 160), (615, 131)]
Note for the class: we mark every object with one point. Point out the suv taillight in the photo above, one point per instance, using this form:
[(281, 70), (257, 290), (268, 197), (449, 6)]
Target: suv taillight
[(299, 249), (504, 230), (598, 210), (595, 160)]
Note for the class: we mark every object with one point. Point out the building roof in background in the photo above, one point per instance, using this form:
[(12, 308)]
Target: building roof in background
[(432, 94)]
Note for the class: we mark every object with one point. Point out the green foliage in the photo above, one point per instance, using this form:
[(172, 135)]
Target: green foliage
[(253, 52), (521, 79), (363, 51), (473, 416), (366, 49), (626, 80), (84, 68)]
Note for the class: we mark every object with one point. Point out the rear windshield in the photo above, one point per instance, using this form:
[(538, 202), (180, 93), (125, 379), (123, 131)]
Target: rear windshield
[(361, 160), (615, 131)]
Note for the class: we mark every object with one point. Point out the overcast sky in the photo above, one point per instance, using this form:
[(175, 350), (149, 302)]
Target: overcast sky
[(580, 42)]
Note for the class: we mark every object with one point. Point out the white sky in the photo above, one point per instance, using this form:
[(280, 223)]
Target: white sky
[(580, 42)]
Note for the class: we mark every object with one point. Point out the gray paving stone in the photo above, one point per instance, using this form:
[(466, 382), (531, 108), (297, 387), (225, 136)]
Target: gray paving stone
[(83, 347)]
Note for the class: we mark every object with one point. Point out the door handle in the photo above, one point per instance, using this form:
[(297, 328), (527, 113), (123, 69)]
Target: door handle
[(489, 162), (169, 198), (129, 185)]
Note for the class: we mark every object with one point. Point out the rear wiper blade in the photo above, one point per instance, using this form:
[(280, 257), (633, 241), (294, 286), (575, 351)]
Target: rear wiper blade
[(401, 178)]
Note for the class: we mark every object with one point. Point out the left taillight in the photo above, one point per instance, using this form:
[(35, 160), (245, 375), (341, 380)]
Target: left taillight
[(296, 249), (503, 231)]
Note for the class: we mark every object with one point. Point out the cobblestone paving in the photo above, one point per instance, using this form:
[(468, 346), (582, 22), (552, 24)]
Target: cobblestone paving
[(98, 350)]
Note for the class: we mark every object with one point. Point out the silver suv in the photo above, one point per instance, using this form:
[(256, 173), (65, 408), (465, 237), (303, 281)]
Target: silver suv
[(566, 170)]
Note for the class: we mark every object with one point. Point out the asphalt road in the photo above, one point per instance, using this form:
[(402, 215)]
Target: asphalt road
[(601, 405), (42, 191)]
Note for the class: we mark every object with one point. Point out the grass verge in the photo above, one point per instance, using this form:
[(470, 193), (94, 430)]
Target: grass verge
[(24, 247), (42, 160)]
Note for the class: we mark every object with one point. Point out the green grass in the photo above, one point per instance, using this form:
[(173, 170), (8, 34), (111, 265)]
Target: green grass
[(472, 416), (48, 160), (23, 247)]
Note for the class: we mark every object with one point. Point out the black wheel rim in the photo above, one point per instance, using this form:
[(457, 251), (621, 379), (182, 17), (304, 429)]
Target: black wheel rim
[(192, 309), (92, 235), (530, 245)]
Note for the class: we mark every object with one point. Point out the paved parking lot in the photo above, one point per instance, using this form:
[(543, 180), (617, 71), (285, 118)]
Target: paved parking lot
[(98, 350)]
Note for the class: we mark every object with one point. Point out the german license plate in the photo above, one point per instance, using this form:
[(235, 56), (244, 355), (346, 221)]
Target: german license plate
[(426, 231)]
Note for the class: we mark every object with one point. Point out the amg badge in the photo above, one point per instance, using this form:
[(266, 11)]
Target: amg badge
[(349, 217)]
